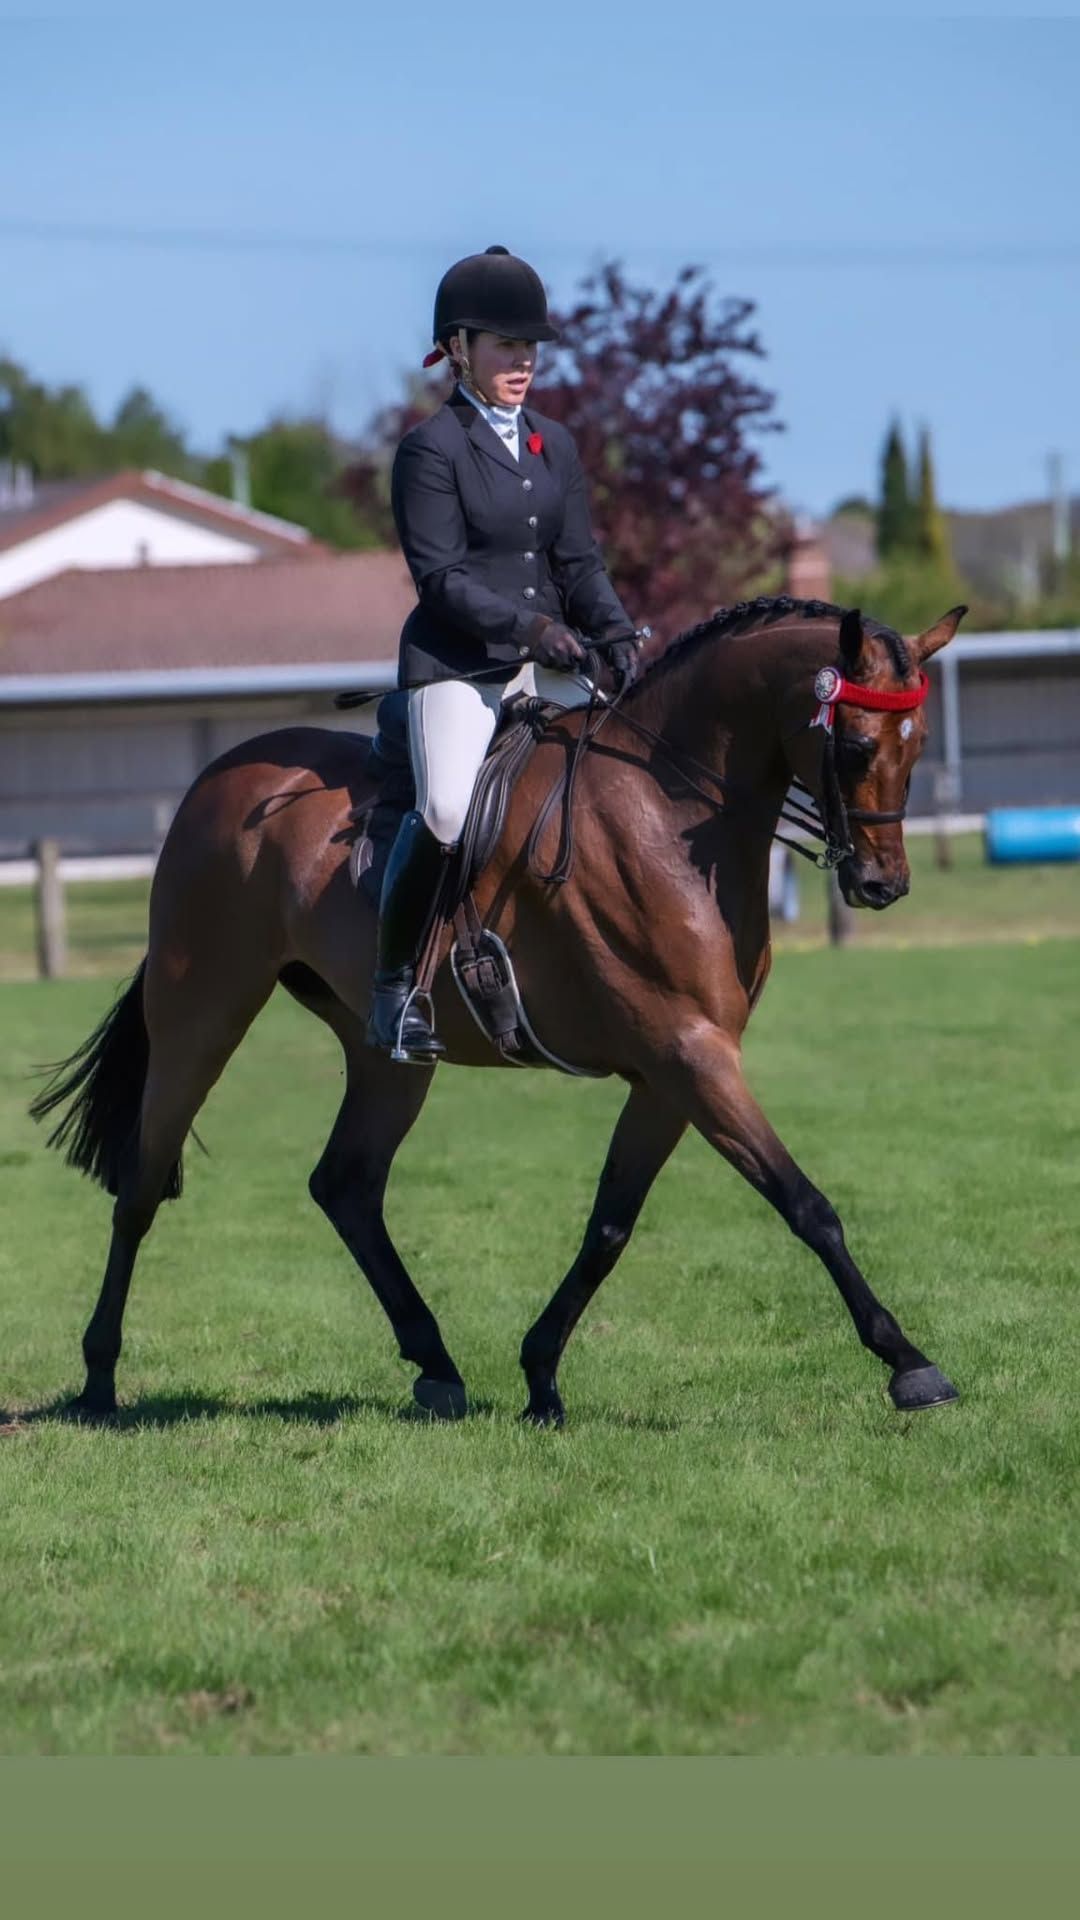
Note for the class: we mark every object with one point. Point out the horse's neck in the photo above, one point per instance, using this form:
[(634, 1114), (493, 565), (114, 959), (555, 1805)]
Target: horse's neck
[(718, 702)]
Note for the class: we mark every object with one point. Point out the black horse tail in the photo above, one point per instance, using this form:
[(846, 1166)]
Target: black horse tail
[(101, 1086)]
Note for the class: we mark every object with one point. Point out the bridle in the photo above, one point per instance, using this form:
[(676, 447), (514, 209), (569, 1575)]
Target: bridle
[(826, 819), (832, 689)]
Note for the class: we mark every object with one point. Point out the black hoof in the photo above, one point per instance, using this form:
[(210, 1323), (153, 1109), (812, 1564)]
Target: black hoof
[(91, 1411), (441, 1399), (548, 1412), (921, 1387)]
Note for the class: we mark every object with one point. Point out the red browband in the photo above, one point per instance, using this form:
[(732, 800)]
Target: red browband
[(832, 690)]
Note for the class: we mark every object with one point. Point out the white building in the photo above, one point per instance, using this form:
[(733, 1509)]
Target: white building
[(131, 519), (117, 685)]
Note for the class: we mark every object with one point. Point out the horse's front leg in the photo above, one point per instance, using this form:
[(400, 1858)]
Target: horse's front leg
[(708, 1077), (646, 1133)]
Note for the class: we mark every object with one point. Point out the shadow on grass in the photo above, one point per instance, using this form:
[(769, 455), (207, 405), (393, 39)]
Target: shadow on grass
[(158, 1411)]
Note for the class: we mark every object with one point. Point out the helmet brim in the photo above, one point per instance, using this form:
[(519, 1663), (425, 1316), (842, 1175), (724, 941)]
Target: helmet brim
[(542, 333)]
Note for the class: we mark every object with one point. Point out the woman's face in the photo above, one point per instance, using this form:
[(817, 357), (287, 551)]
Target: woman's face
[(502, 369)]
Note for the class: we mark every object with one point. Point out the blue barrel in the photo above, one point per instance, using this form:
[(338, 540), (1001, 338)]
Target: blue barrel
[(1032, 833)]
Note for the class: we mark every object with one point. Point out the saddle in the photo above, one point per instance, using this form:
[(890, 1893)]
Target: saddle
[(480, 963)]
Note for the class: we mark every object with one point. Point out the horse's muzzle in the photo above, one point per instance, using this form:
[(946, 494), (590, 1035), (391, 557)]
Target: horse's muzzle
[(863, 885)]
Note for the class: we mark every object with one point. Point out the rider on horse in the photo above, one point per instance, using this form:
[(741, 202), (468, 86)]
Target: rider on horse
[(490, 507)]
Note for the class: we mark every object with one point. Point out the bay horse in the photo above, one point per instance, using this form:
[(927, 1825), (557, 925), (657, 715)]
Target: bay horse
[(646, 963)]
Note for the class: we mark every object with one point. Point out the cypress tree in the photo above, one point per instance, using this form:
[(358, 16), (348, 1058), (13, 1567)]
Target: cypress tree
[(894, 508), (931, 534)]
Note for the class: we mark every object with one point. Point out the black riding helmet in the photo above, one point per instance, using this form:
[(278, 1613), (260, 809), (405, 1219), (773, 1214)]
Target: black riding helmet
[(492, 292)]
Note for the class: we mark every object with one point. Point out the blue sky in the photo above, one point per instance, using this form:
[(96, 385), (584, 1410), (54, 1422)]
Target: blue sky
[(898, 197)]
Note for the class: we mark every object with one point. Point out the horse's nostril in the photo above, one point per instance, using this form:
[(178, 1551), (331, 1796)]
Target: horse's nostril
[(876, 893)]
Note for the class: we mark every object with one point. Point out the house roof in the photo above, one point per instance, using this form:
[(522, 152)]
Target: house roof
[(324, 607), (58, 501)]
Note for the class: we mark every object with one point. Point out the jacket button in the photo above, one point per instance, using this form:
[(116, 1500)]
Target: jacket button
[(529, 593), (523, 653), (532, 521), (528, 556), (527, 486)]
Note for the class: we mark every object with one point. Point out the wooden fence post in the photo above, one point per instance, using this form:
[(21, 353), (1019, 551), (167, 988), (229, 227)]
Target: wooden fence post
[(49, 911), (841, 916), (945, 801)]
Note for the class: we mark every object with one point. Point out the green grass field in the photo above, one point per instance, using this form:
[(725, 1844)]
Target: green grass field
[(735, 1547)]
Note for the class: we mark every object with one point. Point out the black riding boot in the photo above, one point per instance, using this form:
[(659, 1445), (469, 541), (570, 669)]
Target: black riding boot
[(414, 869)]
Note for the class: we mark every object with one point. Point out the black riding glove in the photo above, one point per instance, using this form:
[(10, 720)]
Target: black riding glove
[(553, 645), (625, 657)]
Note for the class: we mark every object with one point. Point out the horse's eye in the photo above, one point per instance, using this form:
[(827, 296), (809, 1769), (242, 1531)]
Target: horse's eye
[(853, 755)]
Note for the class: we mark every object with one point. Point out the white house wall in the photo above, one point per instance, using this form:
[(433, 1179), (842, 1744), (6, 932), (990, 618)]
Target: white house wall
[(123, 533)]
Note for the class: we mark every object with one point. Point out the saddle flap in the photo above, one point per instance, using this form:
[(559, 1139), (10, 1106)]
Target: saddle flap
[(507, 757), (377, 821)]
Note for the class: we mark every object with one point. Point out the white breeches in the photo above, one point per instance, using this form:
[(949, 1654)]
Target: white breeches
[(451, 723)]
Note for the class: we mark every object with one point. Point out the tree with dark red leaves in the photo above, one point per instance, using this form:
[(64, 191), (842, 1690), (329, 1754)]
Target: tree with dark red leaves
[(652, 387)]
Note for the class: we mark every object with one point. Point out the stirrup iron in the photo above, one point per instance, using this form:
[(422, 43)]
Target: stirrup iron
[(398, 1051)]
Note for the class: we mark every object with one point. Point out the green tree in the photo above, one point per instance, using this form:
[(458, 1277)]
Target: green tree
[(295, 469), (910, 594), (54, 431), (931, 533), (142, 435), (894, 518)]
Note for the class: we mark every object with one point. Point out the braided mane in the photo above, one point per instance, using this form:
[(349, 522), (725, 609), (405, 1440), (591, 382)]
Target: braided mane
[(746, 616)]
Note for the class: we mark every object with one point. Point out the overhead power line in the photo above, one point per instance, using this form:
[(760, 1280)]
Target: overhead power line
[(1004, 254)]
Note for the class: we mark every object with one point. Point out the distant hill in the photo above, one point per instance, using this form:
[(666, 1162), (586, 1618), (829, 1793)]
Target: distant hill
[(1008, 551), (1003, 552)]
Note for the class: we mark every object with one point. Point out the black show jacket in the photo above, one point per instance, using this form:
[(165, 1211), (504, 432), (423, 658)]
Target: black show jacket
[(493, 543)]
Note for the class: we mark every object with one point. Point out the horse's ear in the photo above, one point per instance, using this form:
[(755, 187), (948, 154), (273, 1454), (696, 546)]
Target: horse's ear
[(851, 639), (937, 636)]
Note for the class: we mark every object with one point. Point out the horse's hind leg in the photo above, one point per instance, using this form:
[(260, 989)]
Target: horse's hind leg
[(191, 1038), (719, 1103), (380, 1105), (646, 1133)]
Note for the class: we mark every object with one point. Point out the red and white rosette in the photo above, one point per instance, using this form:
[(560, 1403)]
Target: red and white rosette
[(827, 689)]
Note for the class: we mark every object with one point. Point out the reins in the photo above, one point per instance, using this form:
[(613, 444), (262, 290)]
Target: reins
[(826, 819)]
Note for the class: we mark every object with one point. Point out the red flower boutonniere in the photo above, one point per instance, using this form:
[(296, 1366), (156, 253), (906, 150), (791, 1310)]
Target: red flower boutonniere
[(535, 443)]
